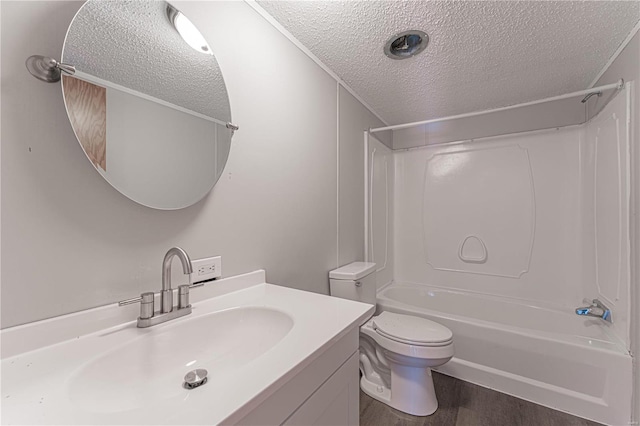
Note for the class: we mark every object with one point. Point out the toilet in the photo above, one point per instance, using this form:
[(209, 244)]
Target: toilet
[(397, 351)]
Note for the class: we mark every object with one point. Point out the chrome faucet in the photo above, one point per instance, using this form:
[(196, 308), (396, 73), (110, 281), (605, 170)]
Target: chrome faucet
[(596, 309), (148, 316), (167, 292)]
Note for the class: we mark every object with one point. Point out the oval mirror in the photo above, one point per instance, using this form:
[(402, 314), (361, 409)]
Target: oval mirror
[(148, 102)]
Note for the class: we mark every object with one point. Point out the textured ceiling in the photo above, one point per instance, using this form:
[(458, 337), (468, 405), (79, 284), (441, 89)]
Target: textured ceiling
[(133, 44), (482, 54)]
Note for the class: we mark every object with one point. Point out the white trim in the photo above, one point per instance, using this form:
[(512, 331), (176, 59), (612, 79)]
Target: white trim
[(337, 174), (634, 264), (366, 196), (110, 85), (369, 188), (629, 213), (1, 193), (618, 85), (616, 54), (372, 170), (255, 6)]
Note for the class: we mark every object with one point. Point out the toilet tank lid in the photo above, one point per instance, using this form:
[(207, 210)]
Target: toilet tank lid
[(353, 271)]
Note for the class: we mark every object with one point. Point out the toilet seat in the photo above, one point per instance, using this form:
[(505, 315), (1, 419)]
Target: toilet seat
[(411, 330), (395, 348)]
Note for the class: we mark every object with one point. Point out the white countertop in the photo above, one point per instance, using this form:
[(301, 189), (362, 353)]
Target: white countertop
[(40, 384)]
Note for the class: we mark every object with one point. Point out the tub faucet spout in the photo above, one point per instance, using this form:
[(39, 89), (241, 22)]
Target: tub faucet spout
[(596, 309)]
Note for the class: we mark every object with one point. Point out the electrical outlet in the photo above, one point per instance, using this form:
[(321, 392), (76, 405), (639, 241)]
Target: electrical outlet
[(206, 269)]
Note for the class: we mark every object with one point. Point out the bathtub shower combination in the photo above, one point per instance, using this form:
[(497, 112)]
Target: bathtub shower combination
[(500, 237)]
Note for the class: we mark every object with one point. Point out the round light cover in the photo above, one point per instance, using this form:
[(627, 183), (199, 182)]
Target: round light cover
[(406, 44), (188, 31)]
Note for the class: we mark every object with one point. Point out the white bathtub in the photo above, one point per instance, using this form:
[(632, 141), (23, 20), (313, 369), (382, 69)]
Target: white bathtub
[(548, 356)]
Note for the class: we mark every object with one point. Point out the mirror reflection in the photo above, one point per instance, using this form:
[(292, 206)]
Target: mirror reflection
[(148, 102)]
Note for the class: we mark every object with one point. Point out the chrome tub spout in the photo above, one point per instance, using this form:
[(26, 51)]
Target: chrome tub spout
[(596, 309)]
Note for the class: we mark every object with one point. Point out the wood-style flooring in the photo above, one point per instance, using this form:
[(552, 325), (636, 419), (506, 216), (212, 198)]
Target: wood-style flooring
[(465, 404)]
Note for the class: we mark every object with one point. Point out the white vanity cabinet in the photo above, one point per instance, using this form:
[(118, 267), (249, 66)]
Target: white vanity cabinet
[(326, 392), (336, 402)]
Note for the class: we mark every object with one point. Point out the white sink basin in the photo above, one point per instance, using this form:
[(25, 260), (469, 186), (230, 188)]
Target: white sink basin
[(152, 367), (97, 367)]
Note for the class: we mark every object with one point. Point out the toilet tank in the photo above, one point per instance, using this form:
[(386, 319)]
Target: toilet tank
[(355, 281)]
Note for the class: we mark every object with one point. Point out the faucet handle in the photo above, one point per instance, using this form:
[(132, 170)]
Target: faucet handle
[(183, 296), (146, 300), (147, 305)]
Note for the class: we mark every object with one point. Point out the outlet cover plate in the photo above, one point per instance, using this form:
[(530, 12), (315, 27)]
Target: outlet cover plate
[(206, 269)]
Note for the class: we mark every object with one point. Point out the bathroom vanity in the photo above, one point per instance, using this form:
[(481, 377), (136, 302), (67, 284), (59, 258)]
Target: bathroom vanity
[(273, 355)]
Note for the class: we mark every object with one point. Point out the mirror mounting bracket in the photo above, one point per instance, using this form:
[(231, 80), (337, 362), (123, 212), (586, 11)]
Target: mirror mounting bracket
[(48, 69)]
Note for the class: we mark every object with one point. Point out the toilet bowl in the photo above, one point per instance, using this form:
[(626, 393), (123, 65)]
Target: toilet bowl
[(397, 351), (408, 360)]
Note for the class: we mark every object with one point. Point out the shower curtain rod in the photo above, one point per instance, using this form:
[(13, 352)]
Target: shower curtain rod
[(619, 85)]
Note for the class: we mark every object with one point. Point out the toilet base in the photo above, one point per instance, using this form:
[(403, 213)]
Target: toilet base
[(381, 393), (411, 390)]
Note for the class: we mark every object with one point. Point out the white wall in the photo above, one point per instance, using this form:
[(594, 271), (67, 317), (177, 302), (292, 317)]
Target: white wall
[(71, 242), (519, 194), (354, 119)]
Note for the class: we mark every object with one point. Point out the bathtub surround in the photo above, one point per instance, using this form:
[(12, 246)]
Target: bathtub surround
[(627, 66), (459, 233), (537, 221), (297, 120), (539, 169), (605, 188)]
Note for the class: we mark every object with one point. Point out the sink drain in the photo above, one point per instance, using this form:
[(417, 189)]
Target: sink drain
[(195, 378)]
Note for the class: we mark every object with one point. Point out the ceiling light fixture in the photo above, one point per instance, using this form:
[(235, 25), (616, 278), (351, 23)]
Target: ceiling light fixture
[(406, 44), (187, 30)]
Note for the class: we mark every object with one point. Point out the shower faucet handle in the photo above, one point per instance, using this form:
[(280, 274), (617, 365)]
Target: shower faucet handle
[(599, 304)]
